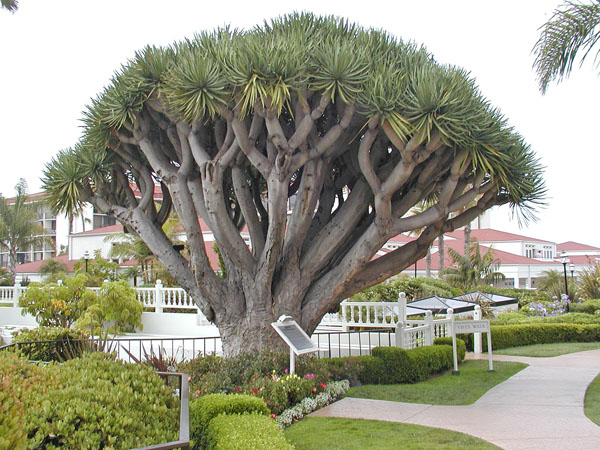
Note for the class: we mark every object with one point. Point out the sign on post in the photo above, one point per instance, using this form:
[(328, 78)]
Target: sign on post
[(469, 327), (295, 337)]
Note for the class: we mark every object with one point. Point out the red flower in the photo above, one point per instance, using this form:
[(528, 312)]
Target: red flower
[(254, 391), (272, 416), (237, 389), (323, 385)]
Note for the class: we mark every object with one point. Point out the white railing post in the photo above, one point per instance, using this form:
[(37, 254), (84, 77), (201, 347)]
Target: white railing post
[(402, 307), (400, 334), (158, 297), (16, 293), (429, 331), (477, 344)]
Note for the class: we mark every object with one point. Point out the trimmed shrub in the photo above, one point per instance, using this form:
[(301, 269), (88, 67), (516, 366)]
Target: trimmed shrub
[(245, 432), (586, 307), (207, 407), (66, 343), (461, 346), (397, 364), (429, 360), (504, 336)]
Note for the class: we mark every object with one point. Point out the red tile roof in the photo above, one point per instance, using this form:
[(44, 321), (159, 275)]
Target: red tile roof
[(505, 258), (116, 228), (491, 235), (34, 267), (574, 246)]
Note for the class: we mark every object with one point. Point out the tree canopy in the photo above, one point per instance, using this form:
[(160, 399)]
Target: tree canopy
[(315, 134)]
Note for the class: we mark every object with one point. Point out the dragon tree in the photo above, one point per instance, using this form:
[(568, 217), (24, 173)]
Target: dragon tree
[(315, 134)]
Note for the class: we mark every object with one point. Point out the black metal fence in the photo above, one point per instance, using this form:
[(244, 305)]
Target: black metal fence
[(132, 349)]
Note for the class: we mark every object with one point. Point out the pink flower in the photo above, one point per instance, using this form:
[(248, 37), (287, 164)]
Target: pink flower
[(272, 416), (189, 378), (314, 389), (285, 371), (309, 375)]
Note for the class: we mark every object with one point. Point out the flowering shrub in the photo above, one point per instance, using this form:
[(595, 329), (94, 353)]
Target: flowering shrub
[(332, 391), (551, 308)]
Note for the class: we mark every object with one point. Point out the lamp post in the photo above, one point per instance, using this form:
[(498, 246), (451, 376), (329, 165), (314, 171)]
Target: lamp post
[(564, 261), (86, 257), (572, 269)]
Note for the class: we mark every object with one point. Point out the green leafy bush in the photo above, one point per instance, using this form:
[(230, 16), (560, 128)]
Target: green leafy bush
[(55, 305), (64, 343), (117, 304), (102, 403), (245, 432), (519, 318), (207, 407), (504, 336), (586, 307), (414, 288), (91, 402)]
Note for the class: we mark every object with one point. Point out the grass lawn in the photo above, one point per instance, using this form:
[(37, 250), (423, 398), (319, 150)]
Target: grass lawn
[(592, 401), (347, 434), (447, 389), (548, 350)]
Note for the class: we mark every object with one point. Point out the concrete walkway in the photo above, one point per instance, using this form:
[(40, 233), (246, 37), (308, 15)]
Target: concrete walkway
[(540, 407)]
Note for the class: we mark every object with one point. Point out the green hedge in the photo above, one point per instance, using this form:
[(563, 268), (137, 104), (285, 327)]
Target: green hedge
[(207, 407), (504, 336), (245, 432), (461, 346)]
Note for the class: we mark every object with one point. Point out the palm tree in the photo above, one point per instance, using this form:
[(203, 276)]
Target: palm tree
[(473, 268), (53, 269), (19, 229), (572, 27)]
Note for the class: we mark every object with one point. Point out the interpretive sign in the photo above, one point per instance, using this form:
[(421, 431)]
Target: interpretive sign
[(295, 337)]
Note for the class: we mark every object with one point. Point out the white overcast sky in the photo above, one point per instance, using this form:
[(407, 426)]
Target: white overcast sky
[(55, 56)]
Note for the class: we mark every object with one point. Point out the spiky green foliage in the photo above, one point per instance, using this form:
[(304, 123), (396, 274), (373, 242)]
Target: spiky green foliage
[(573, 29), (588, 282), (354, 124)]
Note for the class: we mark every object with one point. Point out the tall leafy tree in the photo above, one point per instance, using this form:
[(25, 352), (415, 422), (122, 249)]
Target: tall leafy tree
[(19, 229), (472, 268), (355, 125), (573, 31)]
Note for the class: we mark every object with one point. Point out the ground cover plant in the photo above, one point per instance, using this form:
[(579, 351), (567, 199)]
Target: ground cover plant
[(446, 389), (88, 402), (549, 350), (314, 433)]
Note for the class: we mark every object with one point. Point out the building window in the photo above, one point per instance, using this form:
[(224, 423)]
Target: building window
[(102, 220)]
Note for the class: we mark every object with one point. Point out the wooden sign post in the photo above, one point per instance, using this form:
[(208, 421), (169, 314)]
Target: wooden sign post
[(468, 327), (295, 337)]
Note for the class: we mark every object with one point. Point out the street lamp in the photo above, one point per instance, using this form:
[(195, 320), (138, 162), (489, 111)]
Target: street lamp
[(564, 261), (86, 257), (572, 269)]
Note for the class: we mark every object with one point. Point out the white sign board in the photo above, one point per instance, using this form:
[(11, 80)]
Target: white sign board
[(468, 327), (471, 326)]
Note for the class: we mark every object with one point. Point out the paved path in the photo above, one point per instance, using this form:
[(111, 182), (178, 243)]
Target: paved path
[(540, 407)]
